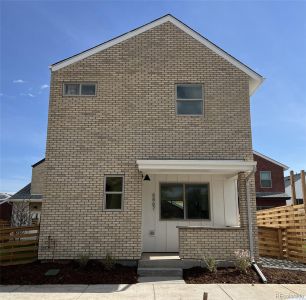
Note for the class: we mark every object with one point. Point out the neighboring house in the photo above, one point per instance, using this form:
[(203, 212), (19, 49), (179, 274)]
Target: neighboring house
[(298, 188), (149, 147), (31, 195), (5, 207), (269, 182)]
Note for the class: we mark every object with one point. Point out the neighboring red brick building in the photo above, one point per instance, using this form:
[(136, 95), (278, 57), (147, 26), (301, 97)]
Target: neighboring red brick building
[(269, 181)]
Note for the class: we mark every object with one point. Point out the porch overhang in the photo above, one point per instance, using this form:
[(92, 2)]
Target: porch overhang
[(195, 166)]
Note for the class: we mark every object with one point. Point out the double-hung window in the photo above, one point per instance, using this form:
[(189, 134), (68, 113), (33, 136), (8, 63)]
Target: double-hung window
[(265, 179), (184, 201), (189, 99), (113, 190), (79, 89)]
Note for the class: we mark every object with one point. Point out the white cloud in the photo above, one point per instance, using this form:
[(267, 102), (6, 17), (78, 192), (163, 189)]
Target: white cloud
[(18, 81), (27, 94), (44, 86)]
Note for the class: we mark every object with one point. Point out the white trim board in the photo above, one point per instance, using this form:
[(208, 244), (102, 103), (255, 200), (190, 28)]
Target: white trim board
[(271, 160), (195, 166), (255, 79)]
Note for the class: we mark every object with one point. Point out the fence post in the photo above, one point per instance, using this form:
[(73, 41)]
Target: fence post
[(280, 242), (292, 183), (303, 188)]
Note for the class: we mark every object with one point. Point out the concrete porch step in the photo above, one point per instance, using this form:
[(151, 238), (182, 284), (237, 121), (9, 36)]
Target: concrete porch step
[(162, 263), (160, 272)]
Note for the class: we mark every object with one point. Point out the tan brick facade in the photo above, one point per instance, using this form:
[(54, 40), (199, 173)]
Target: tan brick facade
[(38, 179), (133, 116)]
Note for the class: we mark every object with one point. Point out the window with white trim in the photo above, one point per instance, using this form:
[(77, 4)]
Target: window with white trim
[(189, 99), (113, 190), (79, 89), (184, 201), (265, 179)]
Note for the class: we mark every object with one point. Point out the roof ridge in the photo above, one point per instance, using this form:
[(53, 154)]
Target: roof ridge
[(255, 78)]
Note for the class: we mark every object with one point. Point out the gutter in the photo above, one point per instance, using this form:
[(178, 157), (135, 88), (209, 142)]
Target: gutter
[(250, 229)]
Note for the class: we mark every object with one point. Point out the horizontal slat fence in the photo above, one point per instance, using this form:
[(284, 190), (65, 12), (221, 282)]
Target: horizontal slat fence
[(282, 232), (18, 245), (4, 223)]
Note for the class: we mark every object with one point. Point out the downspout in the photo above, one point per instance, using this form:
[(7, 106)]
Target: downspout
[(250, 227)]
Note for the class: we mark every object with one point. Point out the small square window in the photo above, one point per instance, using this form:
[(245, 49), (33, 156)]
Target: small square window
[(71, 89), (113, 189), (88, 89), (265, 179), (189, 99)]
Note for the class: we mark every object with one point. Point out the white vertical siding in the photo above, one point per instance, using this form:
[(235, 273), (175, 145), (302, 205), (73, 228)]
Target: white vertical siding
[(223, 209)]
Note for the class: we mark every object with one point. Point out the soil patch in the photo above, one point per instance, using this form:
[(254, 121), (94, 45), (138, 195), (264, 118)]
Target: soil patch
[(284, 276), (223, 275), (231, 275), (69, 273)]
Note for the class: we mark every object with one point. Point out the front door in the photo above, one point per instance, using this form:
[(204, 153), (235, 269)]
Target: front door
[(158, 235)]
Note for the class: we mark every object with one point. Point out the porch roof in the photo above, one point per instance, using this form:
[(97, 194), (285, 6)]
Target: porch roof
[(195, 166)]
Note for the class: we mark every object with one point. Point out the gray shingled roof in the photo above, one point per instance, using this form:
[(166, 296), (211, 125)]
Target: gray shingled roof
[(25, 193), (272, 195), (296, 178)]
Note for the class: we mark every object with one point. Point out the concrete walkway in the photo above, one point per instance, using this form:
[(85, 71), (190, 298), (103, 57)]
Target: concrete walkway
[(154, 291)]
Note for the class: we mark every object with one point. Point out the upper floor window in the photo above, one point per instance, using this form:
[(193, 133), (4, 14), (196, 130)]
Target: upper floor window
[(189, 99), (79, 89), (113, 190), (265, 179)]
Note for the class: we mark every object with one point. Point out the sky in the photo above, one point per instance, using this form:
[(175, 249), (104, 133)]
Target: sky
[(268, 36)]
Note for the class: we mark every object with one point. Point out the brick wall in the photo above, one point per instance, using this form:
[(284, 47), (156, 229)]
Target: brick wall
[(133, 116), (38, 178), (277, 175), (196, 243)]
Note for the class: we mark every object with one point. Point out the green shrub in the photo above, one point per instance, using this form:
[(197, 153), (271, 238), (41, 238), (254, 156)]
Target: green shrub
[(109, 262), (242, 260), (211, 263), (83, 260)]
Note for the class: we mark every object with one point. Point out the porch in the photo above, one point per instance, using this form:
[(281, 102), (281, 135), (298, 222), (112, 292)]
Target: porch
[(192, 207)]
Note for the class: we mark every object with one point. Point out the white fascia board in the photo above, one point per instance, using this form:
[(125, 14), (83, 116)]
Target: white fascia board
[(195, 166), (255, 78), (271, 160)]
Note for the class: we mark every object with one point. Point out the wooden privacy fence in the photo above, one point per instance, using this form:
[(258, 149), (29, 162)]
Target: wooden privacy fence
[(4, 223), (282, 232), (18, 245)]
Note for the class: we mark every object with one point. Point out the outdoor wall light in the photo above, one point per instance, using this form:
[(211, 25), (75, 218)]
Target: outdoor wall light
[(146, 178)]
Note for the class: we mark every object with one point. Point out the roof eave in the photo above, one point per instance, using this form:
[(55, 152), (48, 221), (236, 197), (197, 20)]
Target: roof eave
[(271, 160), (255, 78)]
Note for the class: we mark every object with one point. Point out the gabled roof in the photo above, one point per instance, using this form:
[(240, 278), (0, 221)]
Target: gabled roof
[(38, 163), (271, 160), (255, 78), (25, 194), (297, 177)]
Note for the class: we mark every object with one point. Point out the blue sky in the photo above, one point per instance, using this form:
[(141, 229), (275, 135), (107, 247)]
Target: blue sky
[(268, 36)]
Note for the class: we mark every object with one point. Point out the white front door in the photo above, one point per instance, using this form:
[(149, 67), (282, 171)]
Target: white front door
[(158, 235)]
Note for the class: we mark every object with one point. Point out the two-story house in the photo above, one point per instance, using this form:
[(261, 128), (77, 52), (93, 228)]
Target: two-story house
[(269, 182), (149, 148)]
